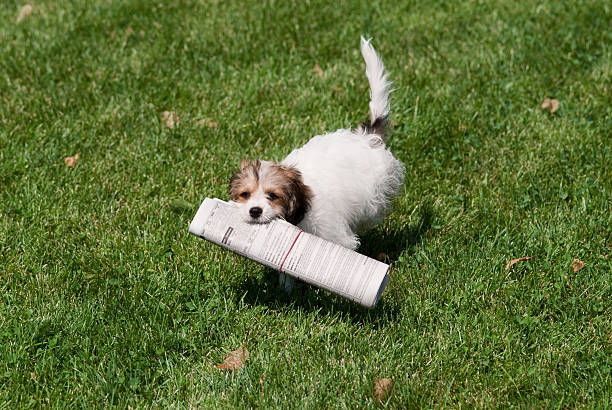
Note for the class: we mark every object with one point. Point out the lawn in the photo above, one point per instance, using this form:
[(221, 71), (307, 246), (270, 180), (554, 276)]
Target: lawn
[(106, 300)]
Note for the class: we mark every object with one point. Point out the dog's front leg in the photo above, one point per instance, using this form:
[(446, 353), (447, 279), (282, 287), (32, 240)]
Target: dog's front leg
[(286, 282)]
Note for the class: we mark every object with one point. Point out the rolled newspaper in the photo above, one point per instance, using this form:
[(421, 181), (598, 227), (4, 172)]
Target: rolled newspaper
[(288, 249)]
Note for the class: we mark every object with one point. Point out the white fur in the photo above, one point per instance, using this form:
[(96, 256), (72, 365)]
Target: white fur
[(353, 178), (379, 86), (352, 175)]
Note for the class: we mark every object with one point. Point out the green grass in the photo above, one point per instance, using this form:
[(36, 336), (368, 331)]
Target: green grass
[(106, 300)]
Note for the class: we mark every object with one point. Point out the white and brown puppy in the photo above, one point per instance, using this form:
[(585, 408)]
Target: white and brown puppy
[(335, 186)]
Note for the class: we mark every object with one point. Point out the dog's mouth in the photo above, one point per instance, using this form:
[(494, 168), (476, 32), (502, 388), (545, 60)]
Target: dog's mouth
[(262, 219), (259, 221)]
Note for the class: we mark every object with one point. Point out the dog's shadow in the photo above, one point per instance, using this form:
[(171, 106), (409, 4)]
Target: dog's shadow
[(386, 243)]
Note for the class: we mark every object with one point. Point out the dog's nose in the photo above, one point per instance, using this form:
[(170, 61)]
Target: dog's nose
[(255, 212)]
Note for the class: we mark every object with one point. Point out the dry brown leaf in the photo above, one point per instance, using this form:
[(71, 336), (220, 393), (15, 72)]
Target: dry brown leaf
[(577, 264), (235, 360), (261, 383), (550, 104), (393, 123), (129, 31), (208, 123), (71, 161), (382, 388), (33, 375), (318, 70), (25, 12), (513, 261), (170, 119), (337, 89), (13, 131)]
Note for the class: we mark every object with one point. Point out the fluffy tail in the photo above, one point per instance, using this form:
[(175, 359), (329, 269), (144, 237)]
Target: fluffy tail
[(379, 91)]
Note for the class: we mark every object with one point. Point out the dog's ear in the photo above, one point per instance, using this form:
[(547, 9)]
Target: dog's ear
[(298, 196)]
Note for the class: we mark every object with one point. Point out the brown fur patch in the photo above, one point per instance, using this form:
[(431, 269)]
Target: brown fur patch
[(378, 127), (245, 180)]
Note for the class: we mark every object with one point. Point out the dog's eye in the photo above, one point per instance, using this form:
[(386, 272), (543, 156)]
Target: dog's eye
[(245, 195), (272, 196)]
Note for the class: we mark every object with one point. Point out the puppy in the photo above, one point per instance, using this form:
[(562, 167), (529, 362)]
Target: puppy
[(337, 185)]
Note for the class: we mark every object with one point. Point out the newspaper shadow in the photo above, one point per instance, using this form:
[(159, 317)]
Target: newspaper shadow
[(386, 244), (264, 290)]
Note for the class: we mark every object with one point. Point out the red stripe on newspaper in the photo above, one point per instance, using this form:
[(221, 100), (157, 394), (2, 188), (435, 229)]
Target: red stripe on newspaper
[(280, 268)]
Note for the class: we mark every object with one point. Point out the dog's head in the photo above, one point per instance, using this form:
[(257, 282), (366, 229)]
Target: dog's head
[(264, 191)]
